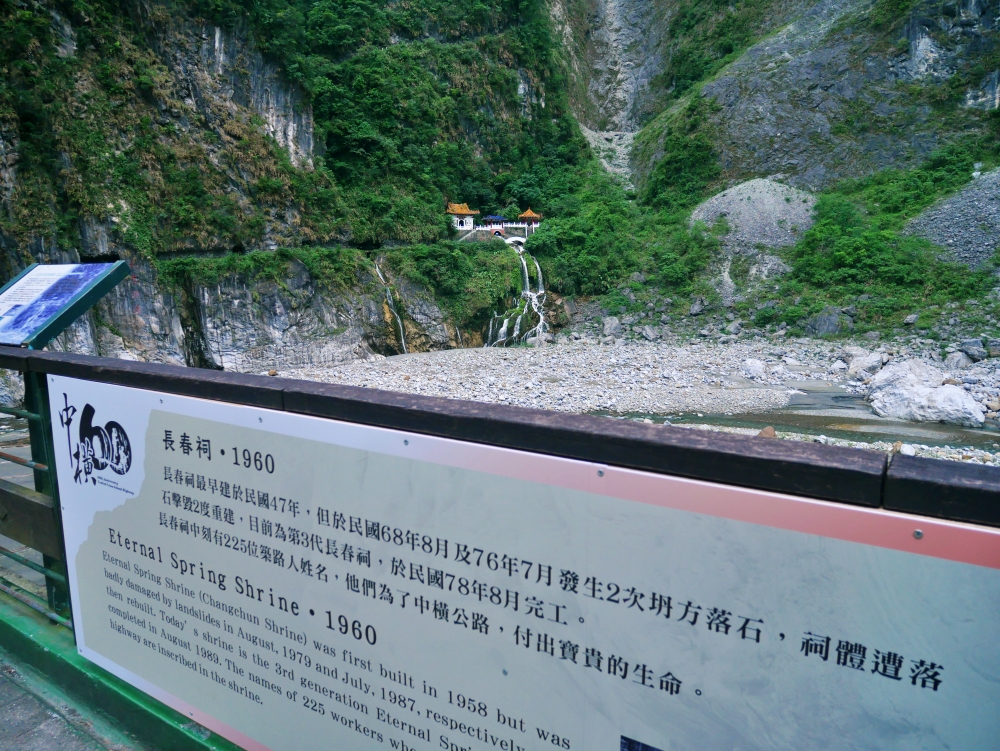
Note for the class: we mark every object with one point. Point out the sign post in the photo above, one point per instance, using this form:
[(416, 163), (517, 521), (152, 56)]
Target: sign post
[(35, 307), (301, 583)]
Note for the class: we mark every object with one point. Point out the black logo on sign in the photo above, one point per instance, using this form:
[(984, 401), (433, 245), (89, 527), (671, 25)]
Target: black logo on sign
[(96, 448)]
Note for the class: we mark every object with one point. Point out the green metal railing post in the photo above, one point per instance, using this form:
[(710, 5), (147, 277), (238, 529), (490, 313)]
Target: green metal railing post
[(36, 399)]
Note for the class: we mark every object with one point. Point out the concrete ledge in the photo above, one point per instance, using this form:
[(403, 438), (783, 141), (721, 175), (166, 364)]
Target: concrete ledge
[(51, 650)]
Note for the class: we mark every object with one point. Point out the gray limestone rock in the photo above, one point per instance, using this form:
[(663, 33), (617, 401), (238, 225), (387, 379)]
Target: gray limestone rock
[(974, 349), (958, 361), (828, 323), (967, 224), (11, 388), (866, 365), (612, 327), (753, 369), (915, 390), (848, 353)]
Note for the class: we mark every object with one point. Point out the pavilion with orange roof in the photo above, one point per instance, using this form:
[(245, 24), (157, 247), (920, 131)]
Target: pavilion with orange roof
[(461, 215), (496, 226)]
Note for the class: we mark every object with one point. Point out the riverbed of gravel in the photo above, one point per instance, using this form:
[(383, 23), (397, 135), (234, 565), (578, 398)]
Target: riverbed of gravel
[(629, 376), (634, 376)]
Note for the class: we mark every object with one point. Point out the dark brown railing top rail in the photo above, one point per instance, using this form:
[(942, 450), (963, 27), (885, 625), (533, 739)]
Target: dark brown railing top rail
[(952, 490)]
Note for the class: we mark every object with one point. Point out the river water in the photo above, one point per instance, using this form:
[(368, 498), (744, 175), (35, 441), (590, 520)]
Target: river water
[(822, 408)]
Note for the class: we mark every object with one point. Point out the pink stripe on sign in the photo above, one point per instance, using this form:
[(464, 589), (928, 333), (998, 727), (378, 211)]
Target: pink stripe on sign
[(921, 535)]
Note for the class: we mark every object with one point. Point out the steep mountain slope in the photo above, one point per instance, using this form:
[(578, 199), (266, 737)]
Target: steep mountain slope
[(254, 159), (152, 133), (880, 106), (847, 88), (629, 59), (181, 135), (375, 111)]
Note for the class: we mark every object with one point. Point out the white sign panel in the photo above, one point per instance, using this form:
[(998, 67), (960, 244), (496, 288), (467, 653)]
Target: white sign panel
[(42, 292), (301, 584)]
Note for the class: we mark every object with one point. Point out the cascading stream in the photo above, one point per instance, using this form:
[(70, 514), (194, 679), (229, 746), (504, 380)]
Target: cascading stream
[(531, 304), (392, 307), (538, 269)]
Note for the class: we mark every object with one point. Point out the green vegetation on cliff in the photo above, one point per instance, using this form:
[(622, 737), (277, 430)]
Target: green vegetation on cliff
[(413, 104), (857, 251), (102, 136), (704, 36), (337, 268), (419, 102), (468, 280)]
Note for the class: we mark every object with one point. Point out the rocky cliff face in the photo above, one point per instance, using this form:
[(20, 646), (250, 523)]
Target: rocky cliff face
[(183, 140), (831, 90), (210, 99), (829, 96), (219, 73), (248, 325), (613, 48)]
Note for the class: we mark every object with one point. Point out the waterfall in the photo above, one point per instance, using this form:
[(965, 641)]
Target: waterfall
[(517, 327), (531, 304), (525, 282), (538, 269), (502, 336), (392, 307)]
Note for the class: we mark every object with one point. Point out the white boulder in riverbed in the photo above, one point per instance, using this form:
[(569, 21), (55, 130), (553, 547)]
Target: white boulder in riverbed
[(753, 368), (866, 365), (915, 390)]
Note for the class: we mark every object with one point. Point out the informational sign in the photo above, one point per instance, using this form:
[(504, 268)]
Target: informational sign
[(298, 584), (42, 292)]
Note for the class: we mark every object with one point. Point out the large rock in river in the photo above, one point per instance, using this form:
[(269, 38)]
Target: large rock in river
[(914, 390), (831, 321)]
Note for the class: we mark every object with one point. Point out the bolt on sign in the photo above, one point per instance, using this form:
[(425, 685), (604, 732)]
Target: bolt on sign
[(297, 583)]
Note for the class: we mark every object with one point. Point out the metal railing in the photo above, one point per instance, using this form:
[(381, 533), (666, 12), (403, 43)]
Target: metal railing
[(56, 582), (928, 487)]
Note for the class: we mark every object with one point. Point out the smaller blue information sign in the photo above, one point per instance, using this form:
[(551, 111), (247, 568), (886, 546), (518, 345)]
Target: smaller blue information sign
[(41, 301)]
